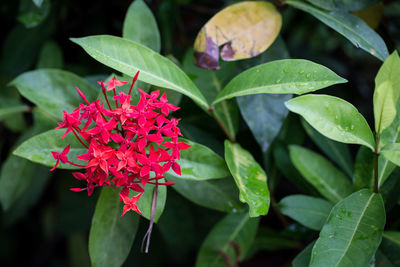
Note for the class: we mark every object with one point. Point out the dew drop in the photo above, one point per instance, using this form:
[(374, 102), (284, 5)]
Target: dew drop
[(257, 70), (308, 75), (286, 69), (352, 127), (301, 72), (278, 81)]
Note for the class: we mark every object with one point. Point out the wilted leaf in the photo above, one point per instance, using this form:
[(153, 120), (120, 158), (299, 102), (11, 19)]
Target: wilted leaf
[(245, 29), (145, 201)]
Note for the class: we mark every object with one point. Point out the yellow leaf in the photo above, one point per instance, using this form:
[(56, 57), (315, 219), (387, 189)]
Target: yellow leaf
[(245, 29), (371, 15)]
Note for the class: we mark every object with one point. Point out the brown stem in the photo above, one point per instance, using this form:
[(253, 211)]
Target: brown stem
[(274, 205), (222, 125), (147, 236)]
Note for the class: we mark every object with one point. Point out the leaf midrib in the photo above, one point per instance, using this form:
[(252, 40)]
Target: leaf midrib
[(355, 230), (172, 85)]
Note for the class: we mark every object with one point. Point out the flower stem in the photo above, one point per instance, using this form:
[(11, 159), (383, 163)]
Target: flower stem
[(116, 102), (77, 165), (105, 94), (79, 138), (376, 164), (152, 216)]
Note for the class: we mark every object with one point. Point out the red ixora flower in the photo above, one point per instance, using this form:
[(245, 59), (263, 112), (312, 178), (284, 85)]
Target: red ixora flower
[(128, 146)]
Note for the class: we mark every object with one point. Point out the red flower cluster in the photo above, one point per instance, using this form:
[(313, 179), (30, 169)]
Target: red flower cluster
[(128, 147)]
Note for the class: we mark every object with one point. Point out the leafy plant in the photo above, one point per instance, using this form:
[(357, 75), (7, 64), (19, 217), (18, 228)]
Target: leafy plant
[(274, 165)]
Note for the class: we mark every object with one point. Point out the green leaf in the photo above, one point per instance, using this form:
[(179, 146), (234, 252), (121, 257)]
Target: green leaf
[(328, 180), (286, 76), (285, 165), (111, 236), (234, 231), (50, 56), (352, 232), (385, 99), (264, 114), (364, 169), (309, 211), (268, 239), (350, 26), (210, 84), (31, 14), (38, 148), (303, 258), (140, 26), (390, 246), (18, 176), (145, 201), (54, 90), (218, 194), (250, 178), (333, 117), (128, 57), (337, 152), (200, 163), (392, 152), (387, 92), (343, 5), (11, 106)]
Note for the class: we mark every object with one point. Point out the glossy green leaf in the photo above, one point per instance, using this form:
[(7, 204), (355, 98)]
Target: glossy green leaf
[(303, 258), (11, 106), (392, 152), (385, 98), (386, 94), (337, 152), (50, 56), (200, 163), (111, 236), (352, 232), (141, 26), (264, 114), (286, 76), (328, 180), (128, 57), (309, 211), (38, 148), (250, 178), (145, 201), (221, 194), (210, 84), (234, 231), (350, 26), (333, 117), (54, 90)]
